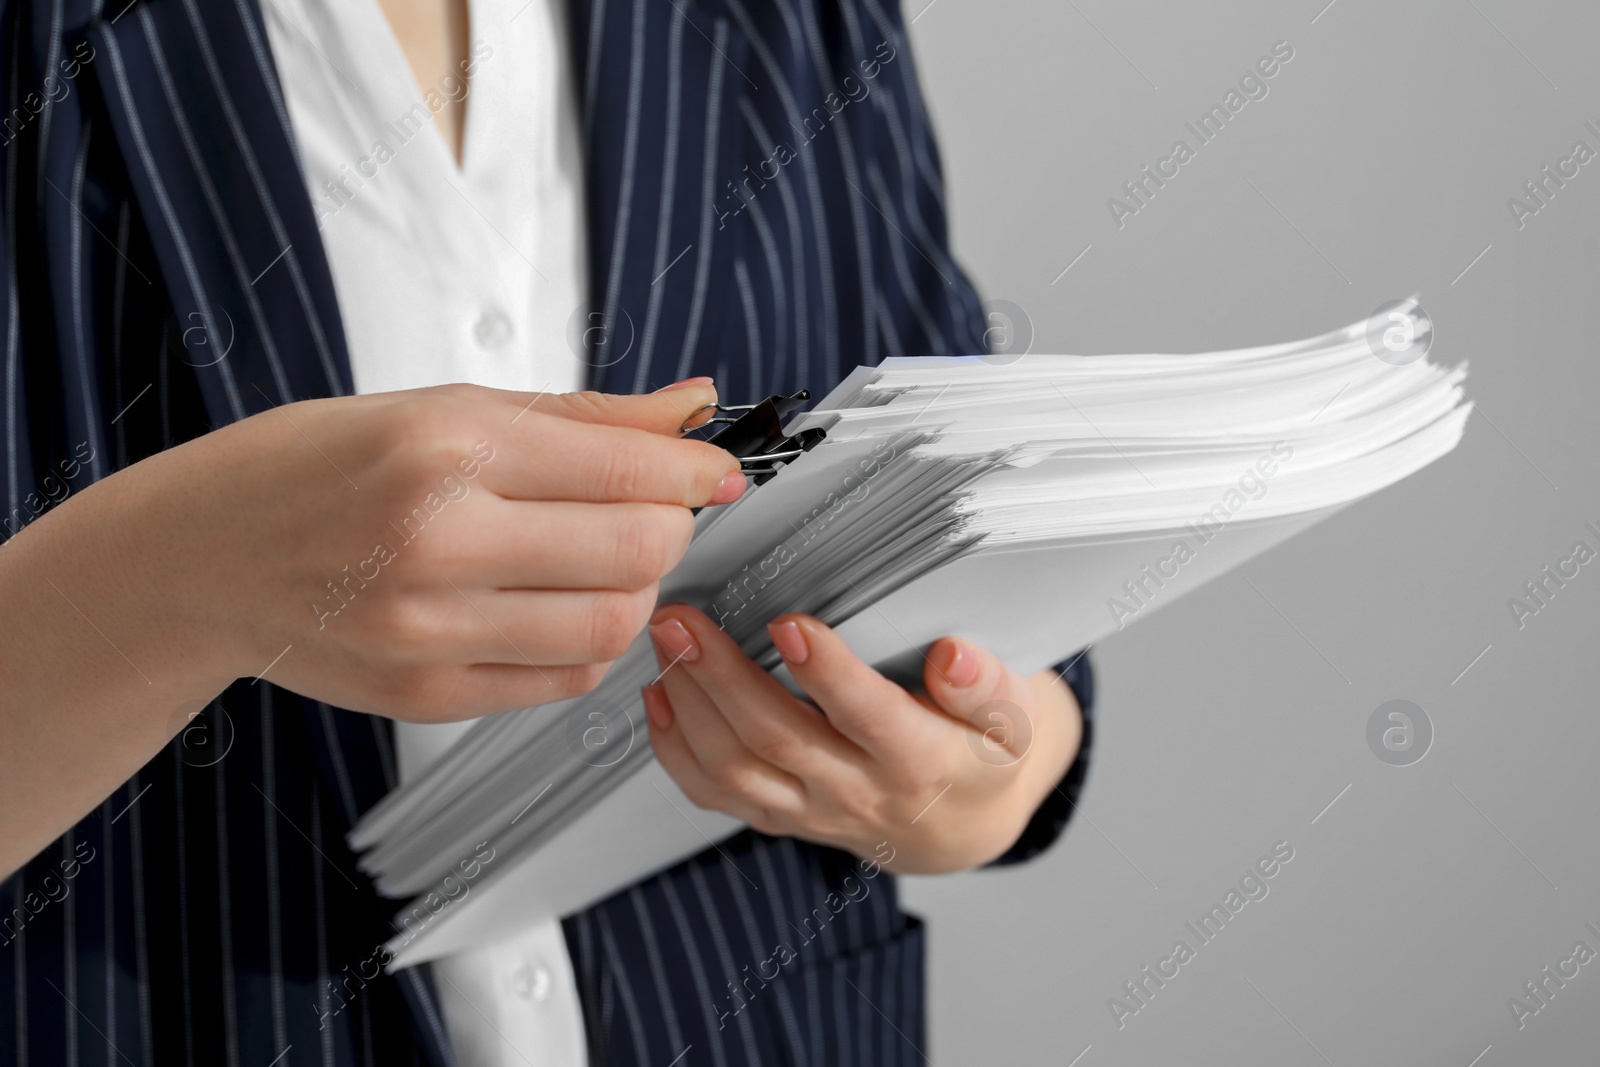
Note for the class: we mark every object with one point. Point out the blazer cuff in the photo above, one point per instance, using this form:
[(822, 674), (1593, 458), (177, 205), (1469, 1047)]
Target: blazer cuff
[(1057, 807)]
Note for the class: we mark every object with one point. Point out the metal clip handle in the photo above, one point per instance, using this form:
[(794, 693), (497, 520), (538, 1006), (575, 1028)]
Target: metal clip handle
[(756, 437)]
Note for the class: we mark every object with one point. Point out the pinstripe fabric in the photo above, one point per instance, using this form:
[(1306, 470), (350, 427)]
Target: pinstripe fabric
[(163, 275), (843, 243), (772, 951)]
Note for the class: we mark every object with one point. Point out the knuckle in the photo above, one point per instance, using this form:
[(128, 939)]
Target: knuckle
[(614, 622), (736, 779), (857, 803), (775, 747), (419, 457), (461, 392), (624, 473), (719, 773), (923, 779), (872, 731), (397, 443), (586, 677), (585, 404), (645, 547), (409, 630), (924, 794)]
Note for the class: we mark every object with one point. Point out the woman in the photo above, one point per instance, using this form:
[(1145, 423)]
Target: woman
[(236, 219)]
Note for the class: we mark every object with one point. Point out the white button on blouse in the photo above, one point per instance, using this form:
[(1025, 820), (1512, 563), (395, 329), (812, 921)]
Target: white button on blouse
[(493, 330), (435, 263), (452, 273)]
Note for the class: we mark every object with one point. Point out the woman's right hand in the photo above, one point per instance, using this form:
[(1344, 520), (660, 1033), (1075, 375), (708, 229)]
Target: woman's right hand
[(427, 555), (448, 552)]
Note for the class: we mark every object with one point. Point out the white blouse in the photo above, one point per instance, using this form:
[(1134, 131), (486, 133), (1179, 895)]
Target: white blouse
[(452, 273)]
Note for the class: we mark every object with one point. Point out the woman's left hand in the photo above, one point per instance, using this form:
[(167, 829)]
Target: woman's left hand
[(941, 782)]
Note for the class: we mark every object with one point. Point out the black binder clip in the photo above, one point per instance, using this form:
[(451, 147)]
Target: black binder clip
[(756, 437)]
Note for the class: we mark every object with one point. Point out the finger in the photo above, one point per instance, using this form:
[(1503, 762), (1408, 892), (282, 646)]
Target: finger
[(547, 457), (494, 687), (972, 685), (766, 718), (697, 717), (521, 544), (862, 704), (677, 758), (539, 628), (733, 771), (665, 411), (480, 689)]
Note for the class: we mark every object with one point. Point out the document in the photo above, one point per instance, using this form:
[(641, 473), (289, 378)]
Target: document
[(1033, 506)]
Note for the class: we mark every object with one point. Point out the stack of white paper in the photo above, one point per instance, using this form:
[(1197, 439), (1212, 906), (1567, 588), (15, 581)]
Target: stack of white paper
[(1033, 507)]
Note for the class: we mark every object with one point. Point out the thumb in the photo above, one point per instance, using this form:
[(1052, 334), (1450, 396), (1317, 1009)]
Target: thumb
[(972, 686), (670, 411)]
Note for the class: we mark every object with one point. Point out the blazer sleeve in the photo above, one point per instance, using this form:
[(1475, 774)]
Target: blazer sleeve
[(1051, 817)]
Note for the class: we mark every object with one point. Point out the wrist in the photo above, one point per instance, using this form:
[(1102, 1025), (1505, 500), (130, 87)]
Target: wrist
[(100, 673), (130, 564)]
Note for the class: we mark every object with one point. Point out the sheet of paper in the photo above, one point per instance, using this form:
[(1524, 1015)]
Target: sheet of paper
[(1034, 507), (646, 824)]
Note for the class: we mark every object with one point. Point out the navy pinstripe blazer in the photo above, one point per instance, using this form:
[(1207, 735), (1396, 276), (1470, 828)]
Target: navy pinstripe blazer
[(163, 275)]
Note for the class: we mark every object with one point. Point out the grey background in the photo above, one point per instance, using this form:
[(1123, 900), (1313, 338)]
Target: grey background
[(1382, 160)]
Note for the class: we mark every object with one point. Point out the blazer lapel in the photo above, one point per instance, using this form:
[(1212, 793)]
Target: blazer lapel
[(199, 116), (193, 98)]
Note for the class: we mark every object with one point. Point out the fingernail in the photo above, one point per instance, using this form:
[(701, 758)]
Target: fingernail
[(674, 641), (791, 642), (657, 707), (955, 664), (685, 384), (731, 488)]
